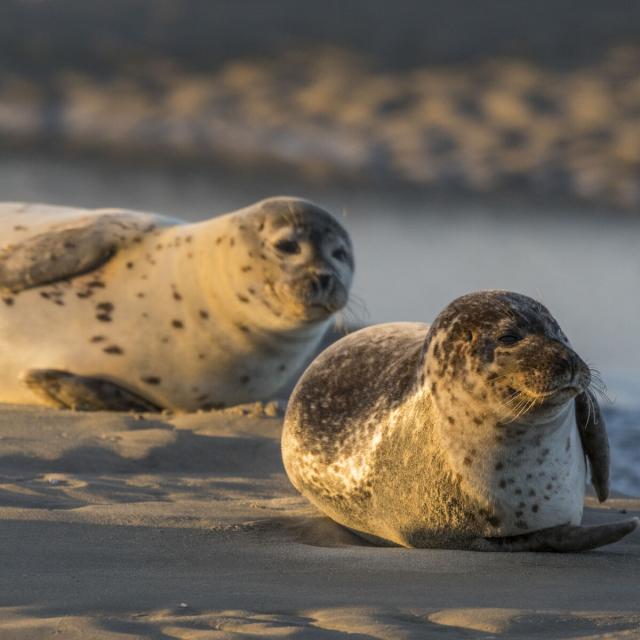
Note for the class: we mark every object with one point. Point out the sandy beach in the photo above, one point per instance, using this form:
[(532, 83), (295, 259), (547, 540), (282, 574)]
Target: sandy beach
[(121, 526)]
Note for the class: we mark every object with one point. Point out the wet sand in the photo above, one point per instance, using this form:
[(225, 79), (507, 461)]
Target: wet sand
[(119, 526)]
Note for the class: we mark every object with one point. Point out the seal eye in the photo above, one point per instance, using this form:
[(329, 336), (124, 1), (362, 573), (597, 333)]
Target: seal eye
[(287, 246), (509, 338), (340, 254)]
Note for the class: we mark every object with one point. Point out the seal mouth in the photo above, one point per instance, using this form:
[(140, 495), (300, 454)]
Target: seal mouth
[(315, 296)]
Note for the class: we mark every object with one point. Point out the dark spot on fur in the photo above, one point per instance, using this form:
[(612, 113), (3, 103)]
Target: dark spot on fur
[(96, 284), (218, 240), (535, 508), (282, 367), (176, 296), (8, 301), (247, 268), (245, 379), (113, 349), (243, 298), (518, 492), (103, 317), (521, 524), (177, 324), (503, 483), (519, 514), (107, 307), (201, 356), (467, 461), (84, 294), (243, 327), (494, 521), (98, 339), (499, 466), (140, 294), (204, 314), (567, 446), (151, 380), (129, 265), (531, 493), (478, 420), (549, 487), (44, 294)]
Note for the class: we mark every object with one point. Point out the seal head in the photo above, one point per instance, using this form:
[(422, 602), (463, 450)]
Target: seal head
[(502, 356), (299, 260)]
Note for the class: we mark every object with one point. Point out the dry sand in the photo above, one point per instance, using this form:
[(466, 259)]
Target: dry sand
[(186, 527)]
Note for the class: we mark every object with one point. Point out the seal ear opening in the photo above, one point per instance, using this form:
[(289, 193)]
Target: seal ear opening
[(593, 434)]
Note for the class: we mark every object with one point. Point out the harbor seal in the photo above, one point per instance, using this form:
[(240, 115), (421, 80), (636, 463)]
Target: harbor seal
[(123, 310), (470, 434)]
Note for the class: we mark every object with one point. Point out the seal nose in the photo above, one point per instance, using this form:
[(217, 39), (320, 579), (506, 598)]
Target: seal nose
[(321, 283), (324, 280), (568, 365)]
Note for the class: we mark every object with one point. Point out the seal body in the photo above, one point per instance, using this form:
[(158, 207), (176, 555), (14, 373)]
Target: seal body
[(188, 316), (448, 436)]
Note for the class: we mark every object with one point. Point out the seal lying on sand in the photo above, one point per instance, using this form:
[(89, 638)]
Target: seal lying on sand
[(119, 310), (470, 434)]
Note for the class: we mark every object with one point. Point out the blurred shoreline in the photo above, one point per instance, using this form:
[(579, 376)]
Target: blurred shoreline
[(468, 99)]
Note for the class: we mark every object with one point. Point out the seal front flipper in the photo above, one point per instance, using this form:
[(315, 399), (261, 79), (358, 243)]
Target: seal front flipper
[(65, 251), (593, 434), (64, 390), (566, 538)]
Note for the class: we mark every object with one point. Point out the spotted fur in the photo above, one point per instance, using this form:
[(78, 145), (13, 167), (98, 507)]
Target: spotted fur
[(442, 436), (160, 306)]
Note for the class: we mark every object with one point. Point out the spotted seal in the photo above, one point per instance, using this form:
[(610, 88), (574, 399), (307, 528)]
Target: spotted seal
[(469, 434), (116, 309)]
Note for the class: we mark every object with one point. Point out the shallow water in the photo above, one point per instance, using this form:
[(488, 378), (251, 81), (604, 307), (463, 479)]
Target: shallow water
[(415, 254)]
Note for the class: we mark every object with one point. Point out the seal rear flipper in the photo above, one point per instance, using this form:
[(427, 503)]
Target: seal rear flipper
[(593, 434), (64, 390), (566, 538), (65, 251)]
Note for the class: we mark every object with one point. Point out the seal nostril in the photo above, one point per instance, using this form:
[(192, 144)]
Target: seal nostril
[(325, 280), (566, 365)]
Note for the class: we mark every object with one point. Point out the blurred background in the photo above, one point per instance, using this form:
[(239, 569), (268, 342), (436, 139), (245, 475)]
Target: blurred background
[(465, 145)]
